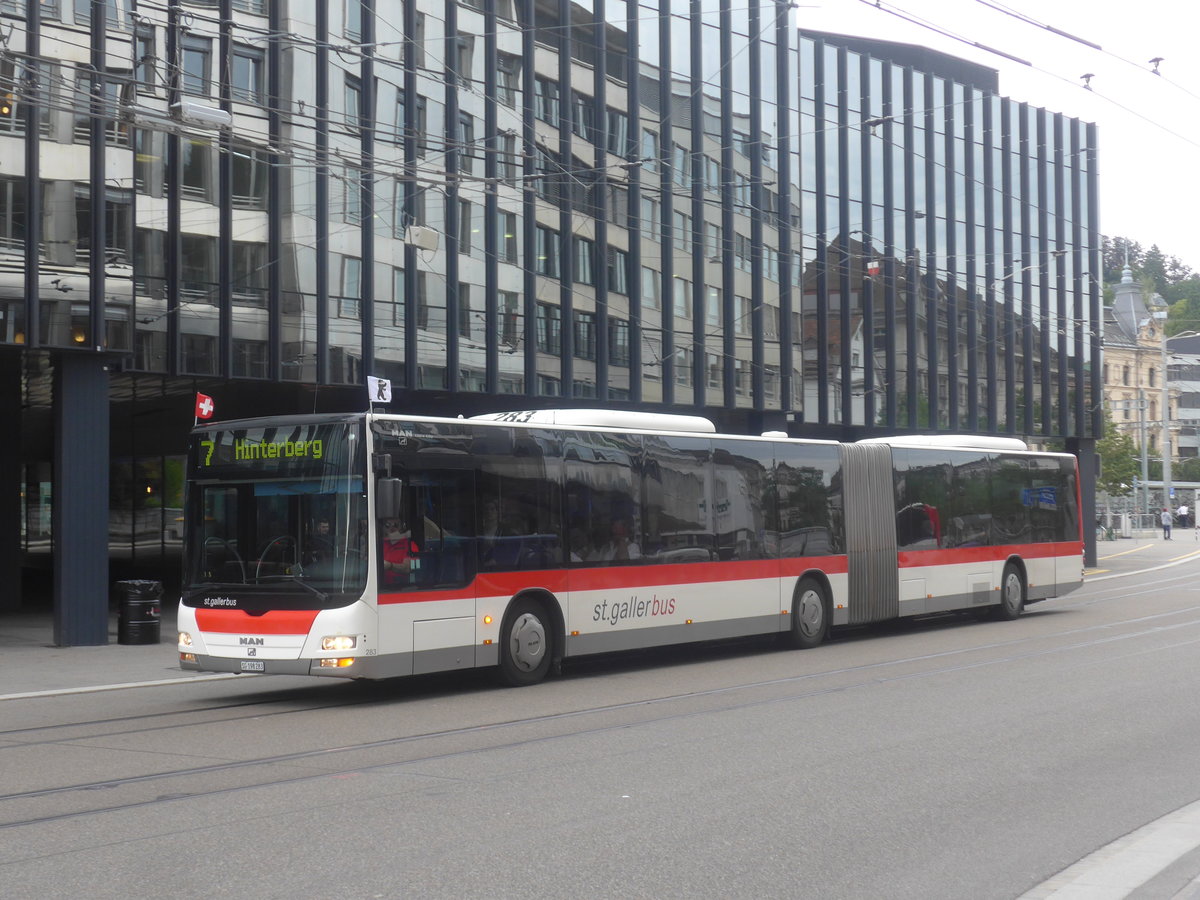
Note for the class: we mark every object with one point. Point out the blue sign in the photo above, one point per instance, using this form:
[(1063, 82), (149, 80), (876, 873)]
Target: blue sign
[(1045, 497)]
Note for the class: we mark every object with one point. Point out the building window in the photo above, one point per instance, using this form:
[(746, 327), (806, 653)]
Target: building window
[(683, 366), (585, 254), (508, 80), (585, 335), (683, 297), (12, 213), (546, 252), (145, 70), (354, 20), (250, 168), (681, 162), (197, 62), (249, 273), (712, 305), (682, 235), (397, 314), (466, 143), (650, 151), (466, 226), (743, 323), (350, 299), (353, 101), (199, 354), (198, 270), (506, 158), (352, 195), (83, 13), (510, 319), (249, 359), (618, 268), (464, 48), (422, 301), (196, 169), (422, 125), (545, 100), (651, 289), (618, 342), (618, 132), (712, 368), (249, 70), (651, 223), (506, 232), (583, 112), (464, 310), (549, 329)]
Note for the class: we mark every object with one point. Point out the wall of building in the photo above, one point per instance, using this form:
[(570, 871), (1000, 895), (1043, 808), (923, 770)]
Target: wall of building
[(504, 203)]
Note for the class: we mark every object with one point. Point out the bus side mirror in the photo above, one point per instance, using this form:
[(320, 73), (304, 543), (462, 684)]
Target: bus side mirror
[(388, 497)]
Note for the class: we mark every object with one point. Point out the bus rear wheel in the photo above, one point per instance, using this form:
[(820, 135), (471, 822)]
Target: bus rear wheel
[(1012, 594), (526, 644), (810, 615)]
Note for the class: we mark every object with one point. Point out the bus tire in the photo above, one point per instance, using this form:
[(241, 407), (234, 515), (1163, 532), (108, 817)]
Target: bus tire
[(810, 615), (526, 644), (1012, 594)]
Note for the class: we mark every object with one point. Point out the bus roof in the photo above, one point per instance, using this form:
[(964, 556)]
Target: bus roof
[(966, 441), (605, 418)]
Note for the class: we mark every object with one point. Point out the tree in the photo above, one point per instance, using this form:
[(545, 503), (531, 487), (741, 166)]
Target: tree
[(1187, 470), (1154, 267), (1183, 313), (1120, 461)]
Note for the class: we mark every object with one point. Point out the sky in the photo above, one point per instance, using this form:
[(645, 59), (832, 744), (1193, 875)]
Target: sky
[(1149, 125)]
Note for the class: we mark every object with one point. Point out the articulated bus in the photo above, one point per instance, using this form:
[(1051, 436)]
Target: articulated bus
[(374, 545)]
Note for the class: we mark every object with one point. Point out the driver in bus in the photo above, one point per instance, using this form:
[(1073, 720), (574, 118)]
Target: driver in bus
[(398, 551)]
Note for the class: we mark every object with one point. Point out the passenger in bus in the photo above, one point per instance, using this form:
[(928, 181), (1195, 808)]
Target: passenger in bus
[(621, 545), (398, 551), (581, 546)]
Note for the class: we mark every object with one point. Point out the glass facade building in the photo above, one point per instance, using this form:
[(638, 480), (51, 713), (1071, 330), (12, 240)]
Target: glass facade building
[(687, 206)]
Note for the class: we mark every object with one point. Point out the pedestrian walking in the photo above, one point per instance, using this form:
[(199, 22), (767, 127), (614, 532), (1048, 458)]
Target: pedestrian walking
[(1166, 523), (1183, 515)]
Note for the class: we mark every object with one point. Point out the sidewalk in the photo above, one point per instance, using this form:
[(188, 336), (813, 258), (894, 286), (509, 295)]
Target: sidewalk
[(30, 663)]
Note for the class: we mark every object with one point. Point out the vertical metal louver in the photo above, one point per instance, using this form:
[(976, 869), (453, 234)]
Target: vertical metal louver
[(873, 587)]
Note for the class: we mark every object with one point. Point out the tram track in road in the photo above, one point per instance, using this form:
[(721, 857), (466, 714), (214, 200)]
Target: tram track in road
[(252, 710), (257, 773)]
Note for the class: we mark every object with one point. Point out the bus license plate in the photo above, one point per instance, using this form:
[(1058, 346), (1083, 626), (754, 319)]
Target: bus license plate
[(253, 665)]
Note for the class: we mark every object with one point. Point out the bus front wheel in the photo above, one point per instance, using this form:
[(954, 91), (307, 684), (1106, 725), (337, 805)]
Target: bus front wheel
[(810, 618), (1012, 594), (526, 644)]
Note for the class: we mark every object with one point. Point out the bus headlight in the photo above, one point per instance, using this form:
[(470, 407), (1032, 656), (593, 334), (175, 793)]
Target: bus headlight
[(185, 639), (339, 642)]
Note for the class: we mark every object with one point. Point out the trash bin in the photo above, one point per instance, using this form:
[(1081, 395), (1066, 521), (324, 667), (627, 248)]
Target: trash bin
[(139, 611)]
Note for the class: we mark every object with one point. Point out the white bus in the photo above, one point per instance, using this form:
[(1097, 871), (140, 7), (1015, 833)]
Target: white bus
[(375, 545)]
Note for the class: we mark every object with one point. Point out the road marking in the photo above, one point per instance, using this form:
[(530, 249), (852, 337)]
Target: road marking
[(1186, 555), (1087, 572), (29, 695), (1125, 552)]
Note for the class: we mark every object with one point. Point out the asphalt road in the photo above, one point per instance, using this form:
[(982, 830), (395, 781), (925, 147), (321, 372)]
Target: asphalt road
[(941, 759)]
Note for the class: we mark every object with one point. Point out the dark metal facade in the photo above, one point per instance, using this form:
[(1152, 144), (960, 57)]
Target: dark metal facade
[(679, 205)]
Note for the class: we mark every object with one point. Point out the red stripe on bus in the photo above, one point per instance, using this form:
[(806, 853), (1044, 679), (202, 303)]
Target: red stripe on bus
[(276, 621), (912, 558), (491, 584)]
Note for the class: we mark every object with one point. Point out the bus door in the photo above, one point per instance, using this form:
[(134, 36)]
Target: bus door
[(427, 568)]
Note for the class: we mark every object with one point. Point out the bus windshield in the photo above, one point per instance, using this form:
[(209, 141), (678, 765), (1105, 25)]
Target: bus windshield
[(277, 516)]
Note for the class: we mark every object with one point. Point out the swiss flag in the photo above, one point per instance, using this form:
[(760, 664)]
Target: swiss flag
[(204, 406)]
